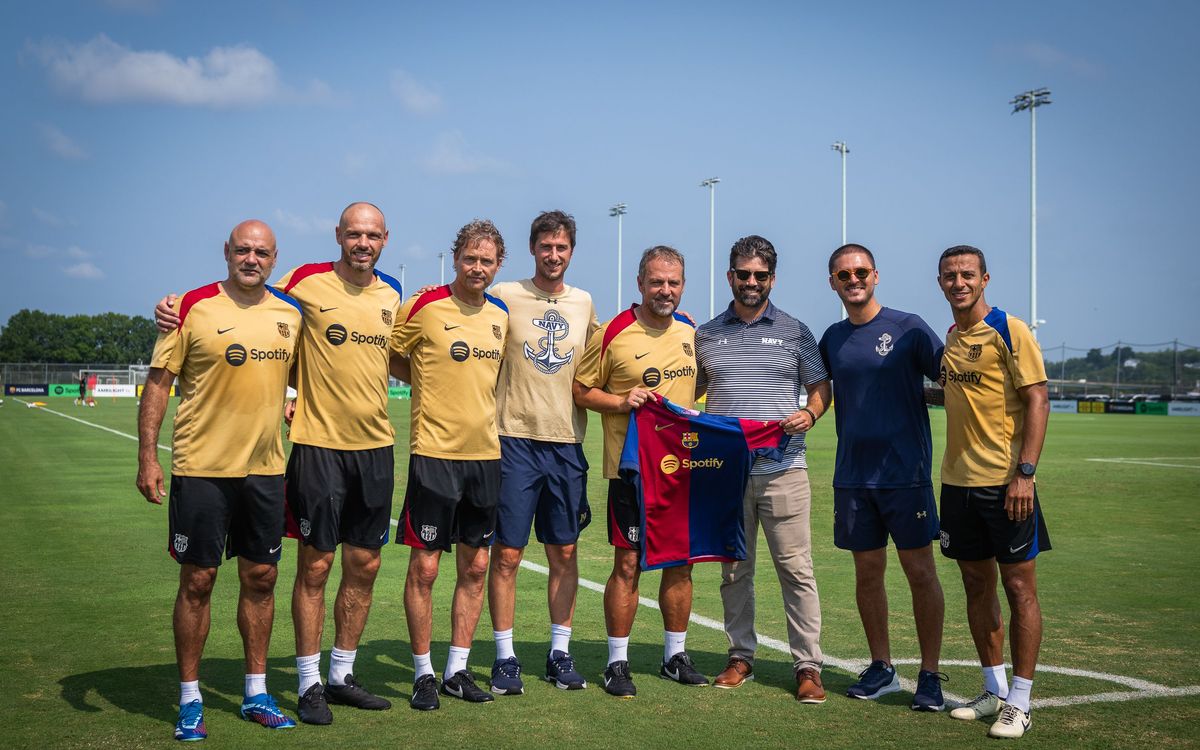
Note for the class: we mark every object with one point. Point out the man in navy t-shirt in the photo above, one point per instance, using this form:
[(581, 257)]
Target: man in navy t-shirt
[(879, 359)]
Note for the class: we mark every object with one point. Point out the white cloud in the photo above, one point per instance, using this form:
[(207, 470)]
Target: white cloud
[(450, 156), (84, 270), (60, 143), (78, 253), (302, 224), (416, 98), (46, 217), (102, 71), (1052, 58)]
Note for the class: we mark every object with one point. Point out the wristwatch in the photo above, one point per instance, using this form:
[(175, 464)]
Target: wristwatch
[(1027, 470)]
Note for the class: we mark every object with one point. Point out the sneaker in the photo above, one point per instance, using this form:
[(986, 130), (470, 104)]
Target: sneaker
[(876, 680), (261, 709), (618, 681), (983, 706), (808, 686), (560, 670), (355, 695), (680, 669), (462, 685), (506, 677), (425, 693), (190, 727), (313, 708), (929, 691), (1012, 724)]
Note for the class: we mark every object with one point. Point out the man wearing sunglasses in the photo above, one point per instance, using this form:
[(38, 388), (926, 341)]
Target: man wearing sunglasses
[(755, 361), (879, 359)]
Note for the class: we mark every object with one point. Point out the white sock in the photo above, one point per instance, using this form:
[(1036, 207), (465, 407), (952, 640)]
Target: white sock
[(256, 684), (1019, 695), (422, 665), (341, 663), (504, 647), (995, 681), (309, 669), (456, 661), (673, 643), (560, 638), (618, 649), (188, 692)]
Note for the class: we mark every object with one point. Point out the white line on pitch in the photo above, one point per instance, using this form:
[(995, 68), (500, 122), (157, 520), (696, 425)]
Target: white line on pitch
[(1141, 688), (1149, 461)]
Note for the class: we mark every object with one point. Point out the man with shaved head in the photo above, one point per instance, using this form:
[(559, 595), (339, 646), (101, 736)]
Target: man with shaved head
[(340, 474), (232, 353)]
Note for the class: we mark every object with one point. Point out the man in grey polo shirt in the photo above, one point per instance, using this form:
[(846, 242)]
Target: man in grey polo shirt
[(754, 361)]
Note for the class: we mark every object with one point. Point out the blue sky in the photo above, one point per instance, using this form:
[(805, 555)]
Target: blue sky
[(136, 133)]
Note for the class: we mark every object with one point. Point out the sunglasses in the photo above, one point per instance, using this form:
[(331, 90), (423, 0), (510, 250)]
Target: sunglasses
[(859, 273), (744, 275)]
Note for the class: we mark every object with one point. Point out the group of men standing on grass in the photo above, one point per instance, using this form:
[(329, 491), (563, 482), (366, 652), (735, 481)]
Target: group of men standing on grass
[(502, 375)]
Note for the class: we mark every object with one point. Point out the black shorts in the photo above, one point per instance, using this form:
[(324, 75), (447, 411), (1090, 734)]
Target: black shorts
[(975, 526), (336, 497), (624, 515), (241, 516), (449, 502)]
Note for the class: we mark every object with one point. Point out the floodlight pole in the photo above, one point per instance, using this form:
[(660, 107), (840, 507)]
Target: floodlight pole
[(401, 277), (711, 184), (843, 149), (441, 269), (1031, 100), (618, 210)]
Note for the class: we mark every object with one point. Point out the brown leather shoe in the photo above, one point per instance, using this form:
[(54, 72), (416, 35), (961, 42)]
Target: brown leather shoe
[(736, 672), (808, 686)]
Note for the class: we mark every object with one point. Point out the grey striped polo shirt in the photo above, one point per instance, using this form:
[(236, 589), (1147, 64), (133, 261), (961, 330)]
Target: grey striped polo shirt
[(758, 370)]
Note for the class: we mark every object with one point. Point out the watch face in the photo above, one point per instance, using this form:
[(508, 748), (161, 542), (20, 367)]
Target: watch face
[(1027, 469)]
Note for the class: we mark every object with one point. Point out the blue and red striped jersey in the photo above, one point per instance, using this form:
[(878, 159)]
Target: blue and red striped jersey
[(690, 470)]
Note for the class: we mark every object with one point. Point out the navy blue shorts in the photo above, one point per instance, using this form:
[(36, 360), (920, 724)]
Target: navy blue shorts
[(863, 518), (542, 484), (975, 526)]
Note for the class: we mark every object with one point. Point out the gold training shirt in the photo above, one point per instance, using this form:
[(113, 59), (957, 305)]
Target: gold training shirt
[(455, 351), (547, 334), (232, 362), (982, 368), (342, 373), (623, 355)]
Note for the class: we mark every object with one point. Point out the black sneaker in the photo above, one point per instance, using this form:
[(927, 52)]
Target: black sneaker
[(425, 693), (618, 681), (354, 694), (313, 708), (680, 669), (462, 685)]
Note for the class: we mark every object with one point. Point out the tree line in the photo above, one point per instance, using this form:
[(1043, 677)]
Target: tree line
[(36, 336), (1165, 367)]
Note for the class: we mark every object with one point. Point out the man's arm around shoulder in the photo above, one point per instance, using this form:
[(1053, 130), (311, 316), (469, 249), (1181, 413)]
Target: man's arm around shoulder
[(150, 418)]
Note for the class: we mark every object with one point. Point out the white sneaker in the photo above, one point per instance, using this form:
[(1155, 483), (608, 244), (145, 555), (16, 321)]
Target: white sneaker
[(982, 706), (1013, 723)]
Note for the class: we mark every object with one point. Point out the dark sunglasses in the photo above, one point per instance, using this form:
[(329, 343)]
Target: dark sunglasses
[(859, 273), (744, 275)]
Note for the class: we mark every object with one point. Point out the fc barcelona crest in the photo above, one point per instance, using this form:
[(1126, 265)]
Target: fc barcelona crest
[(386, 315), (974, 352), (284, 330), (180, 543), (691, 439), (496, 332), (687, 349), (428, 533)]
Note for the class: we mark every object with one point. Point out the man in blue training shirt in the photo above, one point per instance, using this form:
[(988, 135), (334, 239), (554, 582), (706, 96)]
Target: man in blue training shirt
[(878, 358)]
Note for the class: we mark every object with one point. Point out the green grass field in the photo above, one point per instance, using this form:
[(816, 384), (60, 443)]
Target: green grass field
[(87, 588)]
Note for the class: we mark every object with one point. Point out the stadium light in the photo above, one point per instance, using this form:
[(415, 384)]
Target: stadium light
[(401, 276), (618, 211), (441, 269), (711, 184), (1031, 100), (843, 149)]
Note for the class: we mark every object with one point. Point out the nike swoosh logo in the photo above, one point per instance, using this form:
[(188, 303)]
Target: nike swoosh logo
[(381, 536), (607, 681), (225, 330), (1015, 550), (456, 692), (327, 309), (487, 535), (639, 356), (673, 675), (276, 549), (451, 328), (659, 427)]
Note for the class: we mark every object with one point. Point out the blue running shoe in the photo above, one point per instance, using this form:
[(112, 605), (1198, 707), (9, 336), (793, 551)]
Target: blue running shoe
[(190, 727), (874, 681), (261, 709), (560, 670), (929, 691), (506, 677)]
